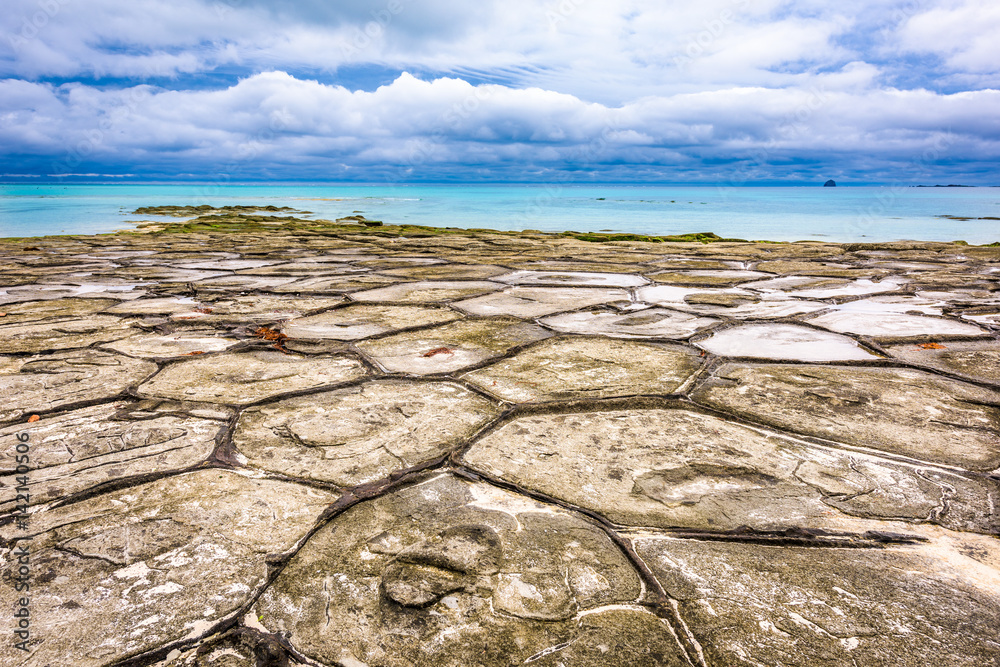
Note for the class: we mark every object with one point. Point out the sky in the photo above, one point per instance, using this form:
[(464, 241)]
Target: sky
[(736, 92)]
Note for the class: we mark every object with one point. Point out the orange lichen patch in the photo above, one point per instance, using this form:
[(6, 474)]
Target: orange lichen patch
[(931, 346), (439, 350), (188, 354), (275, 337), (203, 310), (33, 418)]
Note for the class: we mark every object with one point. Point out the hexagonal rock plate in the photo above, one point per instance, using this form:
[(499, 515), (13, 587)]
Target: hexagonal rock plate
[(784, 341), (246, 377), (351, 283), (55, 309), (81, 449), (707, 277), (364, 320), (572, 278), (156, 306), (679, 468), (429, 291), (45, 382), (856, 288), (894, 326), (131, 570), (361, 434), (452, 346), (61, 335), (531, 302), (576, 368), (751, 605), (258, 308), (447, 272), (182, 343), (452, 573), (906, 412), (651, 323), (979, 360), (736, 303)]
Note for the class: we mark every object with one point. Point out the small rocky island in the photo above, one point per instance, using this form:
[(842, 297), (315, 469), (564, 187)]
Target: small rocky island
[(254, 439), (830, 184)]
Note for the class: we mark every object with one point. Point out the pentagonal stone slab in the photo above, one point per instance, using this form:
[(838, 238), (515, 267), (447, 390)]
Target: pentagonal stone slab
[(246, 377), (447, 272), (531, 302), (784, 341), (572, 278), (452, 346), (429, 291), (61, 335), (754, 605), (707, 277), (360, 434), (902, 411), (153, 346), (81, 449), (577, 368), (679, 468), (891, 326), (650, 323), (156, 306), (245, 283), (152, 564), (736, 303), (979, 360), (40, 292), (453, 573), (33, 311), (42, 383), (346, 284), (364, 320), (257, 308), (856, 288)]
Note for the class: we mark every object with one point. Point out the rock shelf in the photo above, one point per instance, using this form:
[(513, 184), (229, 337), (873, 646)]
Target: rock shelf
[(265, 441)]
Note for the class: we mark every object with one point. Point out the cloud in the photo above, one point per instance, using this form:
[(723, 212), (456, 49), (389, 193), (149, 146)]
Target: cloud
[(512, 89), (414, 128)]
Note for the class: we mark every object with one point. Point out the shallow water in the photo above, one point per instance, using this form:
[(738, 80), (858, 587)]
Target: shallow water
[(772, 213)]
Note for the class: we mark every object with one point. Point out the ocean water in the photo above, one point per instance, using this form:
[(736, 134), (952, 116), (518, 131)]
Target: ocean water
[(769, 213)]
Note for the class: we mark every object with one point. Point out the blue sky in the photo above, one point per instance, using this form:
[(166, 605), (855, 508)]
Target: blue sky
[(718, 91)]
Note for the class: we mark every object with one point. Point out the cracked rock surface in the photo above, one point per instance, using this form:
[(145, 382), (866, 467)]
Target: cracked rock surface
[(304, 443)]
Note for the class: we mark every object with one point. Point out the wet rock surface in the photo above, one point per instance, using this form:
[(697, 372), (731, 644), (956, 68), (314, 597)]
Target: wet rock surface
[(310, 443)]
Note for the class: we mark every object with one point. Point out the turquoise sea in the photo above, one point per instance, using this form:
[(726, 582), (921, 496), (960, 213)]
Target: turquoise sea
[(771, 213)]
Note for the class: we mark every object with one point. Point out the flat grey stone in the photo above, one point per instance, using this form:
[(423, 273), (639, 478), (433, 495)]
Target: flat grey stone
[(33, 311), (532, 302), (581, 368), (450, 347), (179, 344), (46, 382), (577, 278), (360, 434), (751, 605), (246, 377), (979, 360), (784, 341), (902, 411), (453, 573), (365, 320), (78, 450), (675, 468), (134, 569), (650, 323), (428, 291)]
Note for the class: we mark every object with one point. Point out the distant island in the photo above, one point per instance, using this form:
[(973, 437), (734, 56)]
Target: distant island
[(830, 184)]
